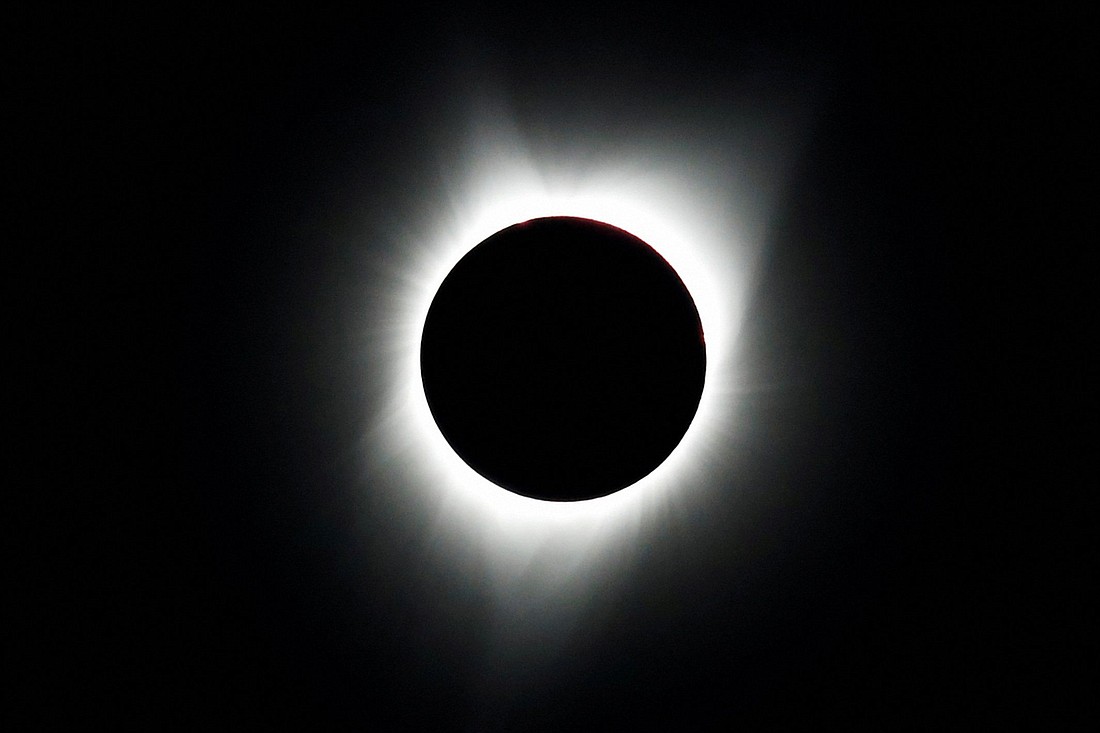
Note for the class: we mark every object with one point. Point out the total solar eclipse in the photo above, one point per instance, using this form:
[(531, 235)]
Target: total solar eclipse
[(563, 359)]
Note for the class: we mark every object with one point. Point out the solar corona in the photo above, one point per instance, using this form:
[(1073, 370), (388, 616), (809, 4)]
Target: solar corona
[(551, 342)]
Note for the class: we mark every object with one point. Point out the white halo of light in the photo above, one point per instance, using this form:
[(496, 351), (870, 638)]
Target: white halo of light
[(681, 215)]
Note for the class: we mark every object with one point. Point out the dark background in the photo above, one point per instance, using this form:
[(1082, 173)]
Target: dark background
[(190, 557)]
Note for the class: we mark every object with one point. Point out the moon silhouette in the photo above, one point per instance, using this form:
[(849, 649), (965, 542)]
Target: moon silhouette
[(563, 359)]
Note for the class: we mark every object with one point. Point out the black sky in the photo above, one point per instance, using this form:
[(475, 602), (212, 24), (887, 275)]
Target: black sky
[(195, 555)]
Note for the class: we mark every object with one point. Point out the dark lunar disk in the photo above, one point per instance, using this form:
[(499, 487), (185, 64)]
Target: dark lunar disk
[(563, 359)]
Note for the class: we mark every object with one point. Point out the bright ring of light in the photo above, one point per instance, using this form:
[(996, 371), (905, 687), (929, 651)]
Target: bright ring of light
[(690, 228)]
